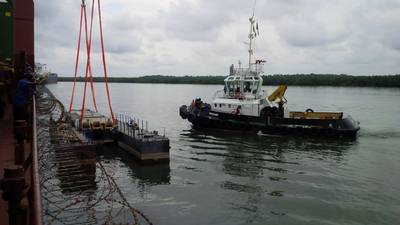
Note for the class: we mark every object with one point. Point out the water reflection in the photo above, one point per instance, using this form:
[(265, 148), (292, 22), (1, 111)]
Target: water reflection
[(260, 169), (247, 155), (146, 175), (293, 181), (76, 170)]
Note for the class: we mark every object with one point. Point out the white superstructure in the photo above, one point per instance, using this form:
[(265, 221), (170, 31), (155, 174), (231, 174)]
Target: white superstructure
[(242, 93)]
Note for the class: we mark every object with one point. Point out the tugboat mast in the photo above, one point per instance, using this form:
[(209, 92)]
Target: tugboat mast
[(251, 37), (251, 33)]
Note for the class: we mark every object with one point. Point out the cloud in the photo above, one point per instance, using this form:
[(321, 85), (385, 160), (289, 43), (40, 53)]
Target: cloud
[(203, 37), (199, 20)]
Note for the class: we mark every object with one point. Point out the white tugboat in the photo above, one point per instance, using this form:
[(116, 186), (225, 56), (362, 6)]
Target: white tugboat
[(243, 105)]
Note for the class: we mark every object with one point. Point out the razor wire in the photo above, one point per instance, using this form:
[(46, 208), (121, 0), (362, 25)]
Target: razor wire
[(76, 186)]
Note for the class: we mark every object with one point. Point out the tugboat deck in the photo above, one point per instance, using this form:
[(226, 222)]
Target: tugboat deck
[(315, 115)]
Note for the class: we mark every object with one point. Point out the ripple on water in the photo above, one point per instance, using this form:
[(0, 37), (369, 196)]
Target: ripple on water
[(238, 178)]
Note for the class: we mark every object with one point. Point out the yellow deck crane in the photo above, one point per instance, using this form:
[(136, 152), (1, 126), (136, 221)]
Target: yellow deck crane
[(278, 94)]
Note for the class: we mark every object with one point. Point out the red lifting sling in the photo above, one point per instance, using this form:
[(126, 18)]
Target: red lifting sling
[(88, 70)]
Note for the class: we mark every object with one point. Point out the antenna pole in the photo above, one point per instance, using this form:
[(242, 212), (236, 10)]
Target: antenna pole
[(251, 37), (254, 7)]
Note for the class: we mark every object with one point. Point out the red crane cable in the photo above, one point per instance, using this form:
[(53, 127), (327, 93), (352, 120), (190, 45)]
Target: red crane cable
[(88, 71), (76, 61), (88, 64), (104, 63), (89, 46), (87, 67)]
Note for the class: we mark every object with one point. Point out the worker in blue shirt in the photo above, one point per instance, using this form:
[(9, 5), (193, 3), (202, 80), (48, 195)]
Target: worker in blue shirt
[(22, 97)]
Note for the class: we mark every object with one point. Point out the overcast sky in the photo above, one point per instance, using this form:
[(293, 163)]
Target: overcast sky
[(203, 37)]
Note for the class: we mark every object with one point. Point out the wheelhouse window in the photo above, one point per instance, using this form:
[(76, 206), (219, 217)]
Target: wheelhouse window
[(237, 85)]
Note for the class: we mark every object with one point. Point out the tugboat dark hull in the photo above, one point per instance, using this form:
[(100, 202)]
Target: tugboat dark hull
[(343, 127)]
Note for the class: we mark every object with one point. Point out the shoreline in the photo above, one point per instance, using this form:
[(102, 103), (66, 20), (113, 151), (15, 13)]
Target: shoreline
[(312, 80)]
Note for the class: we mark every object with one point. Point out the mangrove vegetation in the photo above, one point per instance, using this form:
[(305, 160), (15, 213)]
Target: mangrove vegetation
[(293, 80)]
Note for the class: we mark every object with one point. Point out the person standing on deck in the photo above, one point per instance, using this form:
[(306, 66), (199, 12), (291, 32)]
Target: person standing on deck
[(22, 96)]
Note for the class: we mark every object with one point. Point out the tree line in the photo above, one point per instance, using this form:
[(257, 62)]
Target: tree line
[(277, 79)]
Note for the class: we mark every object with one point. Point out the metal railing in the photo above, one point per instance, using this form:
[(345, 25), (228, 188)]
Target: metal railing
[(21, 184), (133, 126), (231, 94), (37, 201), (253, 70)]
